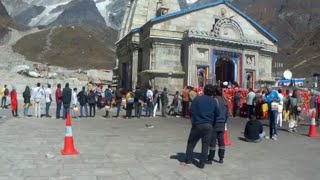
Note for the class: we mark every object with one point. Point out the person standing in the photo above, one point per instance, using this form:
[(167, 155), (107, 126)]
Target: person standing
[(4, 94), (129, 104), (164, 102), (66, 100), (280, 108), (249, 105), (14, 102), (203, 113), (26, 100), (185, 102), (176, 103), (218, 126), (37, 97), (236, 104), (138, 101), (149, 101), (74, 100), (295, 110), (82, 96), (313, 104), (108, 96), (258, 102), (192, 95), (272, 99), (118, 95), (92, 103), (48, 98), (58, 100), (155, 102)]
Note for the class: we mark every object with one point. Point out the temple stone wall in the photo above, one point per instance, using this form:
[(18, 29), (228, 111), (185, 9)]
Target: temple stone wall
[(173, 84), (265, 66), (168, 57)]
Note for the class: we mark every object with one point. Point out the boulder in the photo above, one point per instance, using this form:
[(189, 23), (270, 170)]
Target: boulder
[(34, 74), (99, 76), (53, 75), (21, 69)]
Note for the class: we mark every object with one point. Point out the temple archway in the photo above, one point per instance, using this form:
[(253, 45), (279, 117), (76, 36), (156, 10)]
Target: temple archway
[(225, 70)]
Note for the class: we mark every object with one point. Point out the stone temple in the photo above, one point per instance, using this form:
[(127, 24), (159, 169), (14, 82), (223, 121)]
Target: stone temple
[(174, 43)]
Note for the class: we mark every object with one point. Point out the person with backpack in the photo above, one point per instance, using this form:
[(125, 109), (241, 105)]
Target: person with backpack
[(272, 99), (129, 103), (82, 97), (108, 96), (14, 102), (66, 100), (37, 97), (295, 110), (138, 101), (4, 94)]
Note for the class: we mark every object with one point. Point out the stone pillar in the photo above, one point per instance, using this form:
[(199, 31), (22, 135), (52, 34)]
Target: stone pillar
[(134, 67)]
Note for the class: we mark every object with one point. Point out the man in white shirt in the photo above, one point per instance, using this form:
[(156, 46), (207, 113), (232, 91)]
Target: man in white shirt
[(250, 97), (37, 96), (74, 100), (149, 101), (48, 99)]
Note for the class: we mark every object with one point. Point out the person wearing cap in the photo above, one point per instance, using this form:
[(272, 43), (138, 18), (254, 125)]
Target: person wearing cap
[(48, 99), (272, 99)]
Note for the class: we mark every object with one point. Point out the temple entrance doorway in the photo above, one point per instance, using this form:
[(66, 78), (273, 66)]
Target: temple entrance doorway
[(225, 70)]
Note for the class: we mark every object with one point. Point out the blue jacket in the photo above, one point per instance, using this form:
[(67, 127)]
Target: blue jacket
[(204, 109), (271, 97)]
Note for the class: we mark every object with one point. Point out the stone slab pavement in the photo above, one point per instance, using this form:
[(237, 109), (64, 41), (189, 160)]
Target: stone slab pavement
[(124, 149)]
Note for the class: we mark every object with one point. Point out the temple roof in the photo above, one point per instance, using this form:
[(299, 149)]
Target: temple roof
[(215, 3)]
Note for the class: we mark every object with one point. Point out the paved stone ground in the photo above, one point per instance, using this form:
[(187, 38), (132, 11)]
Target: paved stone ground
[(125, 149)]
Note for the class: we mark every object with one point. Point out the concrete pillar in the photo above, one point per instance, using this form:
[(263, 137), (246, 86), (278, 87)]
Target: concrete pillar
[(134, 67)]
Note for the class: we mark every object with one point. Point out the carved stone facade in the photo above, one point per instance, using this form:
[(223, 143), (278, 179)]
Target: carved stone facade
[(208, 44)]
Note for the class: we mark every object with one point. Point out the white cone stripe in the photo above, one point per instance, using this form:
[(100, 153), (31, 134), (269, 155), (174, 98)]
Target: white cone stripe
[(68, 131), (225, 127), (313, 122)]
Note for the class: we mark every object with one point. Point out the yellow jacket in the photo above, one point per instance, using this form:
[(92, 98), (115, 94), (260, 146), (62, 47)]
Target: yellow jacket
[(2, 92)]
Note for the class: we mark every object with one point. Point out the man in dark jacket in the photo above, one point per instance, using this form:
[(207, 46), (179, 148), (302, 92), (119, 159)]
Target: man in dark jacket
[(66, 100), (236, 104), (203, 113), (254, 131), (138, 100), (82, 98), (108, 96), (164, 102)]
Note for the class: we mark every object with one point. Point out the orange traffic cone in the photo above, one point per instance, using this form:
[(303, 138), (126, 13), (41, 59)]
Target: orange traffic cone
[(225, 137), (68, 140), (313, 129)]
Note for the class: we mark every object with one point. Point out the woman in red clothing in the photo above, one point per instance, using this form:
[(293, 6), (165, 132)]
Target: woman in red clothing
[(14, 102)]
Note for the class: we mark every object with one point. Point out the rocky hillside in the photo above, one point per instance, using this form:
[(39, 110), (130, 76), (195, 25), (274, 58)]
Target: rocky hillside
[(4, 21), (296, 23), (74, 47)]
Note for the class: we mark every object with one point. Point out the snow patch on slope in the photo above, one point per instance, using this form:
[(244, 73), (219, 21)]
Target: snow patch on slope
[(46, 17), (102, 8)]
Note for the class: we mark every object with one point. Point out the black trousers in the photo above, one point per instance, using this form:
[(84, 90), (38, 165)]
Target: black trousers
[(129, 110), (249, 110), (92, 110), (236, 111), (203, 132), (185, 108), (217, 135), (164, 109), (137, 109)]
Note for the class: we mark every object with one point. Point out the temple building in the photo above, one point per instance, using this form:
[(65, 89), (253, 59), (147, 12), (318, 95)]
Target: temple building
[(174, 43)]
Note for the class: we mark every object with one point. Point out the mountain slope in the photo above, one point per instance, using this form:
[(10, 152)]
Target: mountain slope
[(71, 47)]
